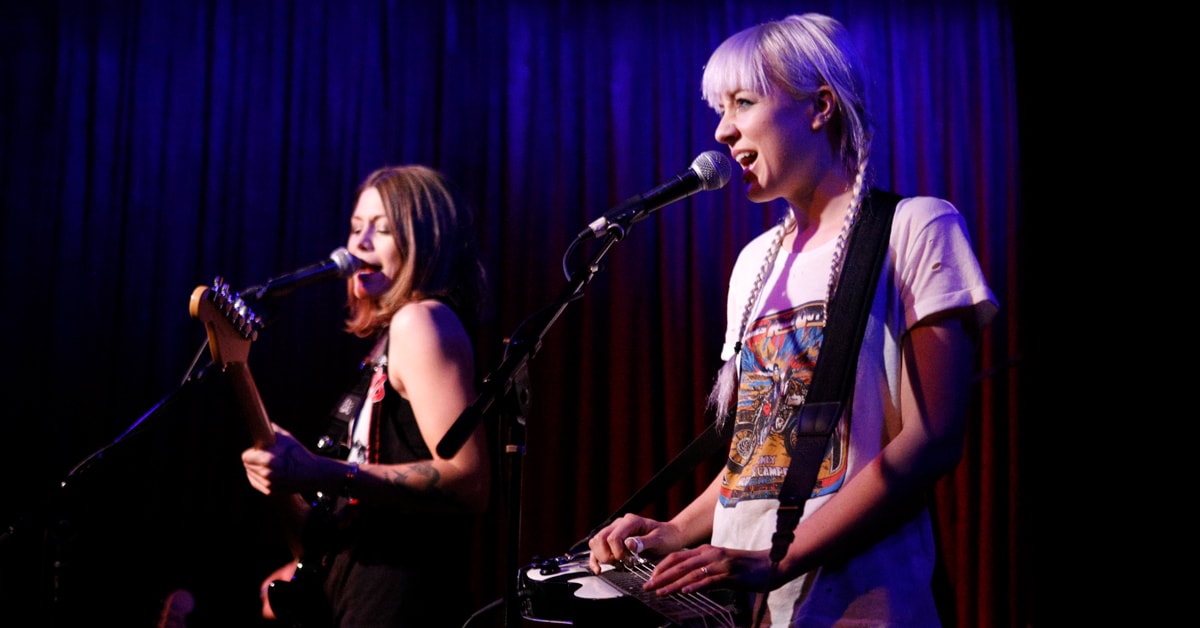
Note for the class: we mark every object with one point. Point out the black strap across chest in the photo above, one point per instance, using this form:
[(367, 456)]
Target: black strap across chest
[(833, 376)]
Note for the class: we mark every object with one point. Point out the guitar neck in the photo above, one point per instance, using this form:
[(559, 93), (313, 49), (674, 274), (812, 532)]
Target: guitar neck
[(259, 424), (231, 325)]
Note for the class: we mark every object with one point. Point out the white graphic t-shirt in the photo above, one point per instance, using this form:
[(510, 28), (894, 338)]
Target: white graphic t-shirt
[(930, 267)]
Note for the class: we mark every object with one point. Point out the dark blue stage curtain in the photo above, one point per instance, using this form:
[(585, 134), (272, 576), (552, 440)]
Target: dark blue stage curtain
[(148, 147)]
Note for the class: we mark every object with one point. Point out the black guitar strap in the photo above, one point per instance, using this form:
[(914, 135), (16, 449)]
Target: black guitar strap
[(833, 376), (336, 441)]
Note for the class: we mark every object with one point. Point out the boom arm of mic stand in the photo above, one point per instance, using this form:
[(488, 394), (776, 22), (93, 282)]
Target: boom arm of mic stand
[(519, 351)]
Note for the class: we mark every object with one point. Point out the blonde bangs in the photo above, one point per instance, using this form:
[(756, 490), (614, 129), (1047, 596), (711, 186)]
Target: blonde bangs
[(737, 64)]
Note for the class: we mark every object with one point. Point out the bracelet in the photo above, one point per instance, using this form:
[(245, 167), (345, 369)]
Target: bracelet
[(348, 482)]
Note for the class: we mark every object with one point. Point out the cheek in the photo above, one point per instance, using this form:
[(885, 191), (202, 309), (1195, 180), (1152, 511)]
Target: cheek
[(390, 257)]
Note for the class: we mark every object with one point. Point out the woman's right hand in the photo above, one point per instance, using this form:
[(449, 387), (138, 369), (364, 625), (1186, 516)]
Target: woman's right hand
[(632, 534)]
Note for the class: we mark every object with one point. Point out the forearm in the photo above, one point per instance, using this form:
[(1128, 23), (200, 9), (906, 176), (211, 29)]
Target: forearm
[(895, 484), (460, 484), (418, 486), (695, 521), (884, 495)]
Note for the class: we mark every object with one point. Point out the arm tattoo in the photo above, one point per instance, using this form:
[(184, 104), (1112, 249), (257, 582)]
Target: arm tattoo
[(420, 477)]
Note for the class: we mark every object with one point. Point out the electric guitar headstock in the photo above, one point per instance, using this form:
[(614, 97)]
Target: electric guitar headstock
[(231, 326), (229, 321)]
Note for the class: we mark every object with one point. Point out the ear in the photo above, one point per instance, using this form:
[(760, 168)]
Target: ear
[(824, 107)]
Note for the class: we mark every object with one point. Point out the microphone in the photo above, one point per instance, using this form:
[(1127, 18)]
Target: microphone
[(341, 264), (709, 171)]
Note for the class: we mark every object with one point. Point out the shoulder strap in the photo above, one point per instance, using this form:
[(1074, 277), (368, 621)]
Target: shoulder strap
[(335, 443), (833, 377)]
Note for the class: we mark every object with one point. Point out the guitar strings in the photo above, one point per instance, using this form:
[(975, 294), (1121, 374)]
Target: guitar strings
[(698, 602)]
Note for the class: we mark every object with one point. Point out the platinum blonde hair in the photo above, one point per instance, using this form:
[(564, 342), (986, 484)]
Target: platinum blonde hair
[(796, 55)]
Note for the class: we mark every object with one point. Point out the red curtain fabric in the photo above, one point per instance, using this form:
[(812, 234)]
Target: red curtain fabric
[(148, 147)]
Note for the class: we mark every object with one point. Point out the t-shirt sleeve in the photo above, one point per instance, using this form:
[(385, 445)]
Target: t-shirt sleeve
[(936, 265)]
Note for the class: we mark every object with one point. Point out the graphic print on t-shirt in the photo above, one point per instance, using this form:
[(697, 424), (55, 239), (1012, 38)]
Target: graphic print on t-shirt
[(777, 360)]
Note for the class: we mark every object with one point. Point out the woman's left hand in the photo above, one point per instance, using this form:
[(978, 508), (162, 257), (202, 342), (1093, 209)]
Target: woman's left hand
[(284, 467), (707, 566)]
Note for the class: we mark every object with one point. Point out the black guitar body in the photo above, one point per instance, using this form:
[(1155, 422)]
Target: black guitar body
[(301, 602), (554, 600)]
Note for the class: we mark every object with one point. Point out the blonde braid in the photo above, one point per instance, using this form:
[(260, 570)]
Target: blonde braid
[(856, 198), (721, 396)]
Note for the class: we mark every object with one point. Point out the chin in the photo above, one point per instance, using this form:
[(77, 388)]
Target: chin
[(371, 285), (757, 195), (359, 290)]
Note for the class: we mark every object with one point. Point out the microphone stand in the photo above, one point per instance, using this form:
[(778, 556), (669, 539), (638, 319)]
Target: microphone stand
[(59, 527), (510, 382), (56, 526)]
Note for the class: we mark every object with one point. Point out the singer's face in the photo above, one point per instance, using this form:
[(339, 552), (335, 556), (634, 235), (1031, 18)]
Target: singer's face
[(771, 136), (372, 240)]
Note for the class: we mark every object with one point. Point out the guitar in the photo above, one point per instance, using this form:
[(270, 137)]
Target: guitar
[(564, 590), (232, 326)]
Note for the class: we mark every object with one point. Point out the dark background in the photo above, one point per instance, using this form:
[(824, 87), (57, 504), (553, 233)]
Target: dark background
[(148, 147)]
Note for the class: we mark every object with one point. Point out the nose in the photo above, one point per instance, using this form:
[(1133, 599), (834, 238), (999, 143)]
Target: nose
[(726, 132), (360, 241)]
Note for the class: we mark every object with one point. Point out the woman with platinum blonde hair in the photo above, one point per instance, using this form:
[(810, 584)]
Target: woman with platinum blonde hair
[(792, 103)]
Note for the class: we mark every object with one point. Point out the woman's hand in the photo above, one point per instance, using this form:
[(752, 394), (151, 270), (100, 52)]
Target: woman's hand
[(680, 570), (632, 534), (705, 566), (285, 467), (629, 535)]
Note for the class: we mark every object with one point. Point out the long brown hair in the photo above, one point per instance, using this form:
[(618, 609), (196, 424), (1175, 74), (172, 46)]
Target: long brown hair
[(434, 232)]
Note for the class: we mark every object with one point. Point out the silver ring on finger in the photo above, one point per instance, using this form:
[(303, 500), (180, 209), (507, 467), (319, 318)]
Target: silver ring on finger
[(704, 570)]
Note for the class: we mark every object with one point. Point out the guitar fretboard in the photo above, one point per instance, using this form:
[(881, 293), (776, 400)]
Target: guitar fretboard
[(691, 610)]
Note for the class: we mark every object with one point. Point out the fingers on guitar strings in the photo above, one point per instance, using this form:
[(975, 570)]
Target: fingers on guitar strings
[(635, 546)]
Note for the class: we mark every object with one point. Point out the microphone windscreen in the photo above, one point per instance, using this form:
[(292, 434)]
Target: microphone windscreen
[(713, 169), (347, 264)]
